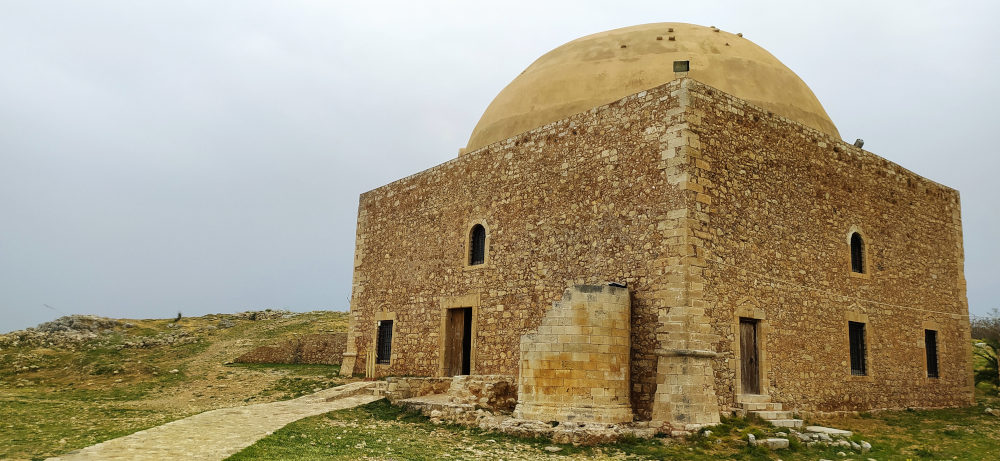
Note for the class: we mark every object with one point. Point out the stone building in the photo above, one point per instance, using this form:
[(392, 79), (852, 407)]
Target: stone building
[(662, 223)]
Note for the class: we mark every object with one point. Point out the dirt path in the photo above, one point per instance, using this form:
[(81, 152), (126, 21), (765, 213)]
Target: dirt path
[(217, 434)]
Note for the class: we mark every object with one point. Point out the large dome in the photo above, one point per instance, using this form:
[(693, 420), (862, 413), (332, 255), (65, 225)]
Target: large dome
[(605, 67)]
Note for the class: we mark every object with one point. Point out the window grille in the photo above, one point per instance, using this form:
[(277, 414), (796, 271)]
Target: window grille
[(930, 343), (857, 253), (383, 345), (856, 331), (477, 245)]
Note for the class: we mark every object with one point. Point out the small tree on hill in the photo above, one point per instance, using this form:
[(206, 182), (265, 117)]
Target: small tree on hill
[(987, 330)]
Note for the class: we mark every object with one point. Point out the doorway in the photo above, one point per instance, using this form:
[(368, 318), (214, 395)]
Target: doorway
[(458, 342), (749, 356)]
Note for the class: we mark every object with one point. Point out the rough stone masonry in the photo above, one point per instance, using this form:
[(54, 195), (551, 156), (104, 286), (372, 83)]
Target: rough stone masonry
[(714, 213)]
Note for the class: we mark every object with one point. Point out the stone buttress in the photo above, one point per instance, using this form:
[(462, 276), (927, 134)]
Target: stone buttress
[(576, 366), (685, 393)]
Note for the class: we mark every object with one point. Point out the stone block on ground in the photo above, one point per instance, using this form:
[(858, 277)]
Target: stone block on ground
[(829, 431)]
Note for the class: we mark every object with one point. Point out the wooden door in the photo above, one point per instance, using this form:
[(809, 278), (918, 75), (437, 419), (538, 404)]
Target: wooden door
[(749, 357), (457, 341)]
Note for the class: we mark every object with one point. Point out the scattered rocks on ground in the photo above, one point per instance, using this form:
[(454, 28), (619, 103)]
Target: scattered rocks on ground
[(64, 331), (553, 449), (266, 314), (74, 331), (992, 411)]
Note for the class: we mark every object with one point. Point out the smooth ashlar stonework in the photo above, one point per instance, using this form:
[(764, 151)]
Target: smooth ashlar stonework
[(575, 366)]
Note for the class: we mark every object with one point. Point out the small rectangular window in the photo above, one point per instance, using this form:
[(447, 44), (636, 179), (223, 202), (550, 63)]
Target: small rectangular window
[(383, 345), (682, 66), (856, 331), (930, 344)]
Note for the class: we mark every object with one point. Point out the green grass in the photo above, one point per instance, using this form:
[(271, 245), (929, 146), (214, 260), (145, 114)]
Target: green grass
[(294, 387), (56, 399), (964, 433), (329, 371), (382, 431), (47, 425)]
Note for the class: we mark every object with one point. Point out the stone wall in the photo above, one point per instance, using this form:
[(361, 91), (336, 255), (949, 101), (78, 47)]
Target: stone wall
[(575, 366), (780, 203), (493, 393), (709, 209), (405, 387), (581, 201), (323, 348)]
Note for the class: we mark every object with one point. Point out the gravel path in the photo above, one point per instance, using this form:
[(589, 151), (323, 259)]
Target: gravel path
[(217, 434)]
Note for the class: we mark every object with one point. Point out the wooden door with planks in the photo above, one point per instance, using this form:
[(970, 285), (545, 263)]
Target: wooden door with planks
[(749, 357), (457, 342)]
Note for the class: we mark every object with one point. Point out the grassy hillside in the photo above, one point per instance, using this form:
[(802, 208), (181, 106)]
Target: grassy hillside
[(89, 379), (381, 431), (78, 381)]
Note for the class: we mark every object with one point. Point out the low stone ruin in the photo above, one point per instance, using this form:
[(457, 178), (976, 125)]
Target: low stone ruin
[(486, 402), (322, 348)]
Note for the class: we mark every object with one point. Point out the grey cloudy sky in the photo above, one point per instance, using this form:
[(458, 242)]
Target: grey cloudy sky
[(201, 157)]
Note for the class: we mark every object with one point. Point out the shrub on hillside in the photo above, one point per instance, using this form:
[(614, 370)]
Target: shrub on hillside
[(986, 334)]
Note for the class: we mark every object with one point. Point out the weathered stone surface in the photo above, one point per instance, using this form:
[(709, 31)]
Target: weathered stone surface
[(773, 443), (455, 395), (709, 209), (405, 387), (322, 348), (575, 367), (829, 431)]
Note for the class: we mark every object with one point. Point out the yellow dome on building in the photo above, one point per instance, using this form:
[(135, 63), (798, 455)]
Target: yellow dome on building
[(607, 66)]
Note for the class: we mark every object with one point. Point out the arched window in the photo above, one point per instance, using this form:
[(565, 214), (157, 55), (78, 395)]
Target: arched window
[(477, 245), (857, 253)]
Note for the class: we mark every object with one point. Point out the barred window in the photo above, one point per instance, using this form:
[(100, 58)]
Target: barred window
[(930, 344), (856, 331), (383, 345), (857, 253), (477, 245)]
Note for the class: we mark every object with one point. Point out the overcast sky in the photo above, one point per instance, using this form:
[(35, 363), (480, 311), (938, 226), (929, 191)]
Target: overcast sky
[(203, 157)]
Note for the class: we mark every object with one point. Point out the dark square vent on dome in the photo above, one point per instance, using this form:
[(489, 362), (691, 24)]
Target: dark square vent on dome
[(681, 66)]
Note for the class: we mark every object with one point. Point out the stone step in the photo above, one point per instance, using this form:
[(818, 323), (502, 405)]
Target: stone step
[(764, 406), (440, 402), (786, 422), (753, 398), (769, 415)]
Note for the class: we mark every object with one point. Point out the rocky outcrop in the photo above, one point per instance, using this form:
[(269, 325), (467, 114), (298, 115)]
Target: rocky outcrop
[(65, 331)]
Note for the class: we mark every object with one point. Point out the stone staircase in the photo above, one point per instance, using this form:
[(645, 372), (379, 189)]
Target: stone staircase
[(772, 412)]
